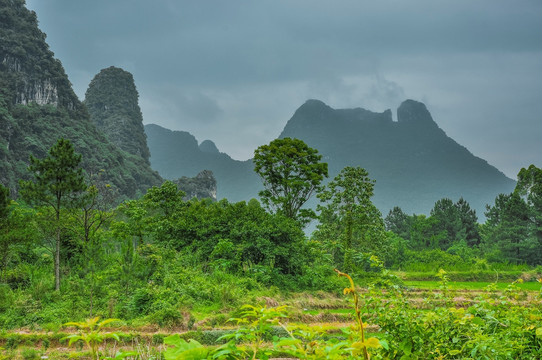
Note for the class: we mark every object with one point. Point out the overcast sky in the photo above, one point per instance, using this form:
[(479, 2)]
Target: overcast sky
[(234, 71)]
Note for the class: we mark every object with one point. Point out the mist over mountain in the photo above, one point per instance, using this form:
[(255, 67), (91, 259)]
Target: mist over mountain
[(412, 160)]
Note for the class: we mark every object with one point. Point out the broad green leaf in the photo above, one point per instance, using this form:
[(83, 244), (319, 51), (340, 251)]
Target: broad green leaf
[(183, 349), (372, 343)]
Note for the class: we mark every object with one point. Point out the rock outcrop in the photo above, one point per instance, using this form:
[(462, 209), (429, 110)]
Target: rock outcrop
[(202, 186)]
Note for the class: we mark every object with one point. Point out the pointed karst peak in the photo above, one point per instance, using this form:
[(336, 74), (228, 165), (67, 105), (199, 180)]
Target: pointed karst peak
[(313, 109), (207, 146), (115, 81), (112, 101), (414, 112)]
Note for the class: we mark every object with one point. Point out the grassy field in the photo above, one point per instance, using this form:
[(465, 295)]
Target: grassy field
[(472, 285)]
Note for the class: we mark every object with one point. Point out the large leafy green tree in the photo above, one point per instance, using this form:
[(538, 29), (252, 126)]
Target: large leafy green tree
[(291, 172), (348, 214), (469, 223), (398, 222), (58, 180), (88, 222)]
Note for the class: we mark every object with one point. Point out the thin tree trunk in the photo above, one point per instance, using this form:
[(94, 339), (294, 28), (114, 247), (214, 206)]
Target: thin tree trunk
[(57, 248), (57, 260)]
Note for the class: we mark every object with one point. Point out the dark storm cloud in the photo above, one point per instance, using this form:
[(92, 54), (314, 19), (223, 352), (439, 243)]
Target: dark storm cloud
[(234, 71)]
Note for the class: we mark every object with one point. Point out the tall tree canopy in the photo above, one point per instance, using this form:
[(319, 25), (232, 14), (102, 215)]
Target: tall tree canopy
[(348, 214), (291, 172), (529, 186), (455, 222)]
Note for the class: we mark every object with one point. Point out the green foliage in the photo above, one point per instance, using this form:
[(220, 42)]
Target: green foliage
[(507, 230), (361, 345), (57, 182), (349, 221), (92, 334), (17, 232), (256, 322), (457, 221), (56, 177), (291, 172), (184, 350), (30, 354)]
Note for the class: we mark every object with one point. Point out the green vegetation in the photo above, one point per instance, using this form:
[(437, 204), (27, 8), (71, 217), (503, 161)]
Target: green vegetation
[(291, 173), (57, 178), (91, 333), (95, 236), (349, 222), (163, 262)]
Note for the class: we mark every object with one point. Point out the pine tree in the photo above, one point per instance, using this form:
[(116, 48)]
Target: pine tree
[(58, 180)]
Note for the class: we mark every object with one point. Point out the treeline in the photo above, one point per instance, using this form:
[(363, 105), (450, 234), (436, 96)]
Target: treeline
[(511, 234), (68, 252)]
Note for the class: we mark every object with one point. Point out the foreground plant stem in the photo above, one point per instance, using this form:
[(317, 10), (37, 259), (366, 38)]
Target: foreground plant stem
[(352, 290)]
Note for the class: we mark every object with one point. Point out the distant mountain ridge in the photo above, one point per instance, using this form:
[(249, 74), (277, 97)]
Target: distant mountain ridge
[(412, 160)]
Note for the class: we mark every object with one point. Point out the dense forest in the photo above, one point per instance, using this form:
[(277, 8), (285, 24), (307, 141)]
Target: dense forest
[(67, 252)]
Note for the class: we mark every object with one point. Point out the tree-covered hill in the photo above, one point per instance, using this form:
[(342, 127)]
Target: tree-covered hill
[(38, 106)]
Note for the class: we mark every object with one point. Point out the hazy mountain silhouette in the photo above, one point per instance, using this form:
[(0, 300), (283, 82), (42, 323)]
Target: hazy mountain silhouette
[(412, 160)]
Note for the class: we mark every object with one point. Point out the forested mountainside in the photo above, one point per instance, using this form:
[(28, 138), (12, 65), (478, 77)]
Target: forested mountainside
[(38, 106), (412, 160)]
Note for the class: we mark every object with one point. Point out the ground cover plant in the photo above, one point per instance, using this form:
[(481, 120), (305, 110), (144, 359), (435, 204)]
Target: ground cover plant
[(403, 324), (166, 265)]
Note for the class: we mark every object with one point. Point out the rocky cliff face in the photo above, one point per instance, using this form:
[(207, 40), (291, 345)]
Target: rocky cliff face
[(30, 73), (112, 101)]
